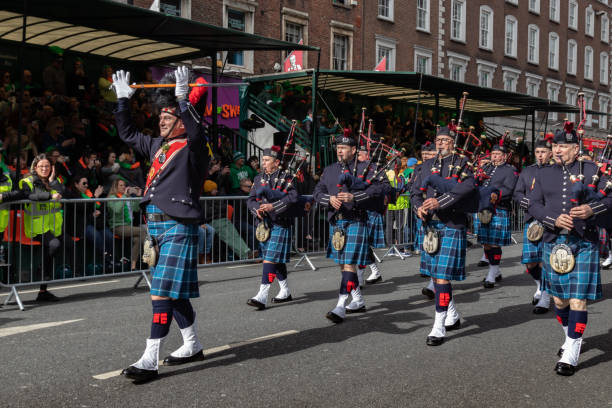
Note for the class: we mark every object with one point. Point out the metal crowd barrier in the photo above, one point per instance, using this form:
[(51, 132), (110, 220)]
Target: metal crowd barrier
[(227, 237)]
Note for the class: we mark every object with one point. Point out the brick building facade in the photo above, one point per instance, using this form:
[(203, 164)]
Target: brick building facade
[(547, 48)]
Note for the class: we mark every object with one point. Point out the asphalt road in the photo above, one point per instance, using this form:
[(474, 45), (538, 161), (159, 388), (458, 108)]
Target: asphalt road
[(68, 353)]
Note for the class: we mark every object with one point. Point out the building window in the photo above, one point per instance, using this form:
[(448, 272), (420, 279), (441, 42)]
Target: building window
[(511, 33), (533, 44), (422, 60), (572, 14), (515, 2), (385, 47), (572, 55), (589, 22), (458, 20), (554, 7), (603, 108), (457, 65), (423, 15), (553, 51), (510, 77), (385, 9), (588, 101), (588, 63), (486, 71), (605, 28), (236, 20), (570, 99), (534, 6), (293, 32), (604, 68), (552, 90), (486, 28), (340, 52), (532, 84)]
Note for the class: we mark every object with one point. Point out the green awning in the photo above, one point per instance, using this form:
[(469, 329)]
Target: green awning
[(404, 87), (118, 31)]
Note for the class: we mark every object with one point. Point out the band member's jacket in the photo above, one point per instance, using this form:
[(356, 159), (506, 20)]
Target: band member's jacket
[(176, 189), (363, 200), (279, 207), (551, 197), (524, 186), (455, 204), (503, 178)]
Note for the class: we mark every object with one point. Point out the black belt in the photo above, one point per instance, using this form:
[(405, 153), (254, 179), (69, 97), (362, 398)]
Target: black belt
[(158, 217)]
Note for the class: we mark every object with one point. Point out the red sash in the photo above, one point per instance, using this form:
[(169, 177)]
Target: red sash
[(176, 145)]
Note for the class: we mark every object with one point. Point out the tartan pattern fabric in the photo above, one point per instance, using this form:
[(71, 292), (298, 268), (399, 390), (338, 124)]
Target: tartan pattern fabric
[(277, 248), (176, 273), (584, 282), (604, 250), (376, 229), (532, 251), (449, 262), (357, 244), (497, 232)]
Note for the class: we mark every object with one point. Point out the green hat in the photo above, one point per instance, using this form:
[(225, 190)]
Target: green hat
[(57, 51)]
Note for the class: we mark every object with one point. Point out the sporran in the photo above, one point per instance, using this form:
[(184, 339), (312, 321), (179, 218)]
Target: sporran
[(431, 241), (535, 231), (562, 259)]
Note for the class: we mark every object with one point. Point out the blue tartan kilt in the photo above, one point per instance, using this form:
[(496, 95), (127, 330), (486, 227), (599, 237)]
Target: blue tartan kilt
[(176, 273), (357, 244), (584, 282), (532, 251), (277, 248), (419, 233), (376, 229), (449, 262), (604, 251), (497, 232)]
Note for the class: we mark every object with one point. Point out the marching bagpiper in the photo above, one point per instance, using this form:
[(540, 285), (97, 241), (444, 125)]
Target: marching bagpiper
[(348, 199), (444, 219), (568, 208), (274, 228), (493, 229), (532, 233)]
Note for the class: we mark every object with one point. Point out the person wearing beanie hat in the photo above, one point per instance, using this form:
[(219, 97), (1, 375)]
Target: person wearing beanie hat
[(444, 215), (171, 204), (347, 215), (239, 170), (570, 234), (272, 212), (532, 249), (496, 232), (209, 186)]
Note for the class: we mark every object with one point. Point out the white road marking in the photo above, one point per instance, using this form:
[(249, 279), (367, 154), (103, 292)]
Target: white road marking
[(213, 350), (9, 331), (64, 287)]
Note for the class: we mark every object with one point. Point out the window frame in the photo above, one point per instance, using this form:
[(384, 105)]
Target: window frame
[(572, 68), (510, 73), (423, 52), (462, 21), (589, 21), (604, 77), (298, 18), (425, 29), (603, 119), (571, 95), (532, 79), (604, 31), (552, 84), (249, 27), (487, 67), (535, 59), (556, 54), (513, 52), (536, 8), (391, 44), (490, 20), (588, 74), (343, 29), (556, 17), (571, 26), (391, 8), (460, 60)]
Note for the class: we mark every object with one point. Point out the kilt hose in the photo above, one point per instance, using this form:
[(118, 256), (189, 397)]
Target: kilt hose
[(357, 243), (584, 281), (449, 261), (532, 251), (497, 232), (376, 229), (176, 273), (278, 247)]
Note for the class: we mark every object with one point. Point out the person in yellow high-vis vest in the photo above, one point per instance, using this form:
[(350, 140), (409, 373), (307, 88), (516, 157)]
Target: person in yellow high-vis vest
[(42, 216), (398, 212)]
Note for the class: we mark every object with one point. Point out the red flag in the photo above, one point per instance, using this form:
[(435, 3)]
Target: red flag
[(294, 61), (382, 65)]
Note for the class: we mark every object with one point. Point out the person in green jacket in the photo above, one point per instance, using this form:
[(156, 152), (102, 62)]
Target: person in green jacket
[(239, 171)]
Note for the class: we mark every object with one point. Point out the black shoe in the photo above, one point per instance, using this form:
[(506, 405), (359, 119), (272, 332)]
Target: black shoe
[(534, 301), (279, 300), (498, 278), (170, 360), (487, 284), (481, 264), (565, 369), (560, 352), (428, 293), (334, 317), (424, 276), (139, 375), (256, 303), (371, 281), (539, 310), (362, 309), (454, 326), (434, 341), (46, 296)]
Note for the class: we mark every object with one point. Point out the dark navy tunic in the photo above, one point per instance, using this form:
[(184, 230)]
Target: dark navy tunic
[(280, 207), (503, 178), (523, 187)]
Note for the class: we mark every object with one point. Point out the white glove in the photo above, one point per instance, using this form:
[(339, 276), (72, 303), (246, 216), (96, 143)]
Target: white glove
[(182, 81), (121, 84)]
